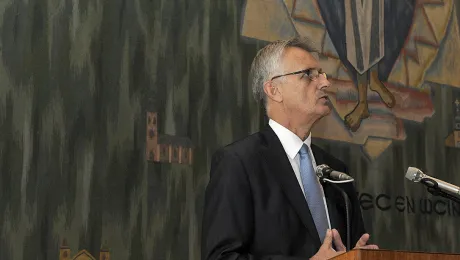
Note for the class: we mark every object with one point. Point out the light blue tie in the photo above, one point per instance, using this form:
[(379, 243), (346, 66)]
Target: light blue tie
[(313, 192)]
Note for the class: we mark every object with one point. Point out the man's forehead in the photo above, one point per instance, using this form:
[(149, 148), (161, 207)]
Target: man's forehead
[(301, 56)]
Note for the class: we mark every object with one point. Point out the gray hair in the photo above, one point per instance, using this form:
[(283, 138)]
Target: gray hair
[(268, 62)]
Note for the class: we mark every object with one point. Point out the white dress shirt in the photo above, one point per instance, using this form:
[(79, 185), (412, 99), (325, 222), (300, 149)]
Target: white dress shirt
[(292, 144)]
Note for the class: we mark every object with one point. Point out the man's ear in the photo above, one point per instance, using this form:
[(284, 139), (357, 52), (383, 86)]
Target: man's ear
[(272, 91)]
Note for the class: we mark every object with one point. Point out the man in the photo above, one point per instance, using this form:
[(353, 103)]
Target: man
[(263, 200)]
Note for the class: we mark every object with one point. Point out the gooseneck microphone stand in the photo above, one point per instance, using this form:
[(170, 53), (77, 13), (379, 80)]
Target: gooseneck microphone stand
[(346, 199), (433, 188)]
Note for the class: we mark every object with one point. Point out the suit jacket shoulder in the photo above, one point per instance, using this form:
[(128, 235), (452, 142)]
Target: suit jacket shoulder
[(245, 149)]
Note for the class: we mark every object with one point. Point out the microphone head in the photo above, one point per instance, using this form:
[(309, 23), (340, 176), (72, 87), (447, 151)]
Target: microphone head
[(321, 170), (414, 174)]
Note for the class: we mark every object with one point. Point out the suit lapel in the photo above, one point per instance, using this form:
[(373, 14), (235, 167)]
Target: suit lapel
[(279, 165)]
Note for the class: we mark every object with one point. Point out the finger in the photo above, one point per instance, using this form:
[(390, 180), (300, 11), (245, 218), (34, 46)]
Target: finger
[(327, 240), (370, 247), (338, 241), (363, 240)]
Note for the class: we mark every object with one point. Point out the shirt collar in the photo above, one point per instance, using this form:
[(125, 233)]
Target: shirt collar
[(290, 141)]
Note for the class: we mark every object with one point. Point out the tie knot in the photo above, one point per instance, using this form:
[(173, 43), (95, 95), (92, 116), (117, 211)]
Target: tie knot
[(303, 150)]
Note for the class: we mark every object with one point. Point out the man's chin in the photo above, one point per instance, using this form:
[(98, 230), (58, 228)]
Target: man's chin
[(324, 110)]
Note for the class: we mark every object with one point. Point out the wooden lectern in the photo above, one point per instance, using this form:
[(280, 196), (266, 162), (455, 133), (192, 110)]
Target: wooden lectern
[(364, 254)]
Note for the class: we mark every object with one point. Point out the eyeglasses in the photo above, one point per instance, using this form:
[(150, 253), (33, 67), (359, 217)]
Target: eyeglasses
[(313, 74)]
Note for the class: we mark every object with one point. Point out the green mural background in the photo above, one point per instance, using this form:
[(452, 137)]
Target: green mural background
[(78, 81)]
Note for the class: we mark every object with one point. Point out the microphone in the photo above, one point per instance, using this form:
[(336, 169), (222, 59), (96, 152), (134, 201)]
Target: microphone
[(324, 171), (416, 175)]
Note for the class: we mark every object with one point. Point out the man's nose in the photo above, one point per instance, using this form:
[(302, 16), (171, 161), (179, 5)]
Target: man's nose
[(323, 82)]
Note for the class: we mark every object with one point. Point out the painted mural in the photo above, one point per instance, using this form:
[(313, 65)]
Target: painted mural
[(110, 112), (382, 57)]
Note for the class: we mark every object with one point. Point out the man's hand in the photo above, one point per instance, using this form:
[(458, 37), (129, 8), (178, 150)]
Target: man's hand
[(332, 236), (326, 251), (361, 244), (363, 241)]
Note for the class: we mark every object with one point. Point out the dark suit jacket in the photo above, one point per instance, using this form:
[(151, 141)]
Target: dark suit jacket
[(255, 208)]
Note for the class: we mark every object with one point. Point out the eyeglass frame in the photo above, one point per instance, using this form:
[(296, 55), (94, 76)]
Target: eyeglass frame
[(306, 71)]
